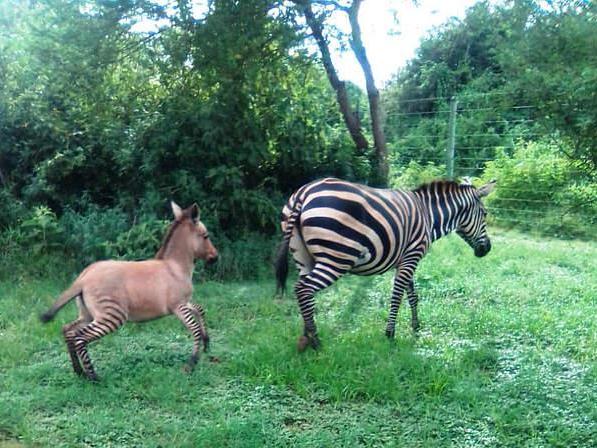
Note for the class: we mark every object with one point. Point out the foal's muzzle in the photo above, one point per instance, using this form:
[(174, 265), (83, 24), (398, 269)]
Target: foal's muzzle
[(212, 260), (482, 248)]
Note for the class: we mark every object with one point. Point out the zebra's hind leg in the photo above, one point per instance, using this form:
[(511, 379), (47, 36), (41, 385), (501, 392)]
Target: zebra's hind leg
[(412, 301), (319, 278), (185, 313)]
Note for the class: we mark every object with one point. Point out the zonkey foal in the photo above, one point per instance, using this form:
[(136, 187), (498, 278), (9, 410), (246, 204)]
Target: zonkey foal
[(109, 293)]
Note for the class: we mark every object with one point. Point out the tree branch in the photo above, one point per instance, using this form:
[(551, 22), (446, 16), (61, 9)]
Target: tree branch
[(379, 140), (338, 85), (333, 3)]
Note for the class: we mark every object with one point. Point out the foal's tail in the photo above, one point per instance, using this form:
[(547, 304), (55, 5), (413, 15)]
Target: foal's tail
[(281, 260), (72, 292)]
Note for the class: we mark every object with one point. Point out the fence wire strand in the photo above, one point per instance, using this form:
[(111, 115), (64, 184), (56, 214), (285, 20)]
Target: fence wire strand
[(511, 207)]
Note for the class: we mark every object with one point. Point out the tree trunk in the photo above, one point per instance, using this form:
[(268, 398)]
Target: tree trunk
[(339, 86), (380, 177)]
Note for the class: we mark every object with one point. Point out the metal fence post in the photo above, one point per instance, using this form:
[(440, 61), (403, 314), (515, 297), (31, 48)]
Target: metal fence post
[(451, 137)]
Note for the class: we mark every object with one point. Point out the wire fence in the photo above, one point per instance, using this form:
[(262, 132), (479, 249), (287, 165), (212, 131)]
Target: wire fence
[(485, 130)]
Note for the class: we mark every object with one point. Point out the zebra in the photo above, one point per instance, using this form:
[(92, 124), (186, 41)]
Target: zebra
[(333, 227)]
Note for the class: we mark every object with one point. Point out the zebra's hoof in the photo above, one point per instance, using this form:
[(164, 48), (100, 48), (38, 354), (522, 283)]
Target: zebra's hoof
[(302, 343), (390, 333), (191, 363), (416, 327), (315, 342)]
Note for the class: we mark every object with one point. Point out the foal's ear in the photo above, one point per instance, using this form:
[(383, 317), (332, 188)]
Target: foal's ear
[(176, 210), (195, 212), (487, 188)]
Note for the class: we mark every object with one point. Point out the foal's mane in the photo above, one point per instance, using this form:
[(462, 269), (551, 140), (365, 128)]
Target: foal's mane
[(160, 254)]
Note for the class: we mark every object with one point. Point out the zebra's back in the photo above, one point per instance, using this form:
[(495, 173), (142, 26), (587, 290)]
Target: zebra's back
[(360, 229)]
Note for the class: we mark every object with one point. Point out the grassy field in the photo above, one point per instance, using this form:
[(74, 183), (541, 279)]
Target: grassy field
[(506, 357)]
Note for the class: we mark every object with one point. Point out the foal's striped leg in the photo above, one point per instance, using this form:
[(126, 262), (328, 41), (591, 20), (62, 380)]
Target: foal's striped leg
[(68, 333), (185, 313), (109, 317), (322, 276), (412, 301), (199, 314), (91, 332)]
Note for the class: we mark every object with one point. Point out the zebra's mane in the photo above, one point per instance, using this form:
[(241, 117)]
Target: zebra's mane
[(439, 185)]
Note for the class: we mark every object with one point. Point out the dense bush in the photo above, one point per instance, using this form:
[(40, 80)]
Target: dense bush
[(415, 174), (110, 233), (540, 189)]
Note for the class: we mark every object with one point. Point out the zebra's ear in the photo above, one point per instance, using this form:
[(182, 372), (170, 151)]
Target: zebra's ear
[(176, 210), (487, 188), (194, 212)]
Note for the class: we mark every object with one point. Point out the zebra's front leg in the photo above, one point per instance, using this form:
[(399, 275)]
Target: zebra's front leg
[(412, 301), (397, 292), (401, 282)]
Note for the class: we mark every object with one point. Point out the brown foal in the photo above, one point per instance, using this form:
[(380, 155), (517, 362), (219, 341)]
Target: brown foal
[(109, 293)]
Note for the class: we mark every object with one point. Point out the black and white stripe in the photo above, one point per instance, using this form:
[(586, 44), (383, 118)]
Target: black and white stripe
[(333, 227), (111, 316)]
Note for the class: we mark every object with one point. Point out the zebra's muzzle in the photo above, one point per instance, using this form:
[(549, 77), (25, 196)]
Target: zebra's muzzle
[(482, 248)]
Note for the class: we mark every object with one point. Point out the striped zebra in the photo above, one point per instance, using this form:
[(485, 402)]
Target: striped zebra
[(333, 227)]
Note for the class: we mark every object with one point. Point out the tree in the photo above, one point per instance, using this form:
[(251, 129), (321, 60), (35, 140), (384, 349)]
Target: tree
[(524, 67), (315, 22)]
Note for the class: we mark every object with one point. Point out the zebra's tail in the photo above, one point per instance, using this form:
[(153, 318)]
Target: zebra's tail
[(72, 292), (281, 260), (281, 267)]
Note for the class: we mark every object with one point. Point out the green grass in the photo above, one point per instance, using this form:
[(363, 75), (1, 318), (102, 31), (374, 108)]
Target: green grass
[(505, 357)]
